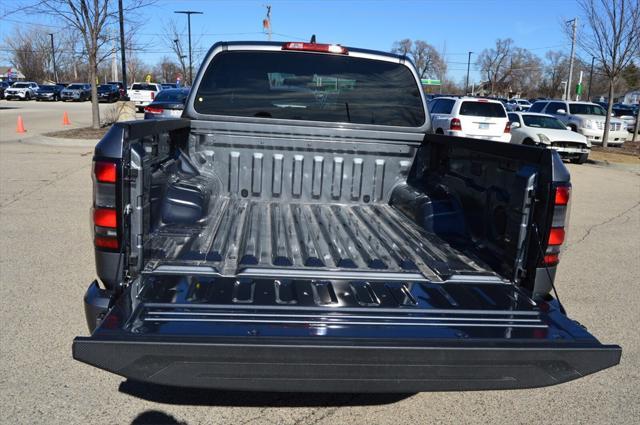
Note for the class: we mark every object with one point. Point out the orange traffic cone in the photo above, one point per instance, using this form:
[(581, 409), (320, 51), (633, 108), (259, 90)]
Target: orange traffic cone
[(65, 119), (20, 127)]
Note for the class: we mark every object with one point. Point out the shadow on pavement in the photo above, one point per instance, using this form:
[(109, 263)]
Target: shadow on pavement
[(203, 397), (155, 417)]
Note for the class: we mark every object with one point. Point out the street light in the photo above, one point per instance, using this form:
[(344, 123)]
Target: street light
[(53, 57), (466, 86), (189, 13)]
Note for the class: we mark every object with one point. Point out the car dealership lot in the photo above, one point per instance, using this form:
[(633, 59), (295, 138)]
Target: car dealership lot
[(46, 263)]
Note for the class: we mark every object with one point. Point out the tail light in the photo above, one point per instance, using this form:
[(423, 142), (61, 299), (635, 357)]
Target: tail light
[(507, 127), (455, 124), (153, 95), (153, 110), (105, 217), (314, 47), (557, 233)]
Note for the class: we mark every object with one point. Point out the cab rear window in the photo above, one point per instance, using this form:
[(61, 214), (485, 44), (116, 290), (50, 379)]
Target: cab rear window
[(310, 86), (482, 109), (151, 87)]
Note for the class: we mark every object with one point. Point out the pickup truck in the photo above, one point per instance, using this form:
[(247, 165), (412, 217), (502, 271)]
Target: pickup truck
[(142, 94), (299, 228)]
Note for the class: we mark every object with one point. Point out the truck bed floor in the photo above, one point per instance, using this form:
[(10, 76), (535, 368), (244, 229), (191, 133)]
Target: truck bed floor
[(241, 234)]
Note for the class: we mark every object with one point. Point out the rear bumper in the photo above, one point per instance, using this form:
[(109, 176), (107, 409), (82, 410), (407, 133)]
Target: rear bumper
[(350, 366)]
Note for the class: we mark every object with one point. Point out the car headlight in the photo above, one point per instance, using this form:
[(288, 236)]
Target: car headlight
[(588, 124), (543, 139)]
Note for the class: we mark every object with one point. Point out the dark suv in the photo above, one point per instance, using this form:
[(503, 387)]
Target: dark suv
[(108, 93), (48, 92)]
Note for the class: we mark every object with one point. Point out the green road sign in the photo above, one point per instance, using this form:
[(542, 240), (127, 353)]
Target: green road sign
[(430, 82), (579, 89)]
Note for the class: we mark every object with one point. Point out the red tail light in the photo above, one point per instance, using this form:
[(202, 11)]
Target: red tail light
[(105, 217), (507, 127), (105, 213), (556, 236), (105, 172), (551, 260), (314, 47), (153, 110), (455, 124), (153, 95), (562, 195)]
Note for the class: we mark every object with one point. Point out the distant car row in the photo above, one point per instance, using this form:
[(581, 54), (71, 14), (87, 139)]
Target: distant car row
[(110, 92), (565, 126)]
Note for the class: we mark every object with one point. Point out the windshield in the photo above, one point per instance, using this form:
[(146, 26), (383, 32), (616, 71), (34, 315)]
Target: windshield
[(540, 121), (314, 87), (106, 87), (141, 86), (21, 85), (47, 88), (586, 109), (482, 109), (76, 87), (172, 96)]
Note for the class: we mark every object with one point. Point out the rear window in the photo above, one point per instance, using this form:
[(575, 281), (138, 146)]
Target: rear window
[(482, 109), (141, 86), (172, 95), (313, 87)]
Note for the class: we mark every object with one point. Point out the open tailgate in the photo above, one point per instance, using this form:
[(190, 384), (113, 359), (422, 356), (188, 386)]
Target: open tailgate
[(339, 336)]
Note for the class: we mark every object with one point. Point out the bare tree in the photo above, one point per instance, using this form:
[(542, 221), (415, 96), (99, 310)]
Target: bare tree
[(173, 40), (90, 19), (612, 36), (426, 58), (494, 63)]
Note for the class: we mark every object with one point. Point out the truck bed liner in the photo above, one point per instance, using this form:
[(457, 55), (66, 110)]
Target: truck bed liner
[(242, 233)]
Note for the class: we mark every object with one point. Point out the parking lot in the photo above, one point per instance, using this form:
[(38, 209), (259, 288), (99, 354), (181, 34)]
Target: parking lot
[(46, 263)]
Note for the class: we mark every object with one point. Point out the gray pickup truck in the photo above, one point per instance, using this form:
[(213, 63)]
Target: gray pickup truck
[(299, 229)]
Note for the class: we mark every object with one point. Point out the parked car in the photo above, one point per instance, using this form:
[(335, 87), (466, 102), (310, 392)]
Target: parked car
[(470, 117), (3, 86), (169, 103), (530, 128), (142, 94), (48, 92), (108, 93), (517, 105), (626, 113), (25, 90), (322, 239), (586, 118), (120, 88), (77, 91)]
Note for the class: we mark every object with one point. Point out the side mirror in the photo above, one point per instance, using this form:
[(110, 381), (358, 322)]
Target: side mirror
[(569, 128), (515, 125), (561, 112)]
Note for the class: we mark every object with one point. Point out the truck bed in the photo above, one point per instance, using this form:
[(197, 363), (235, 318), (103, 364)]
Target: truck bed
[(308, 240)]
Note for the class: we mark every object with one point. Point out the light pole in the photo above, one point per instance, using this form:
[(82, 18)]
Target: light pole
[(573, 45), (53, 58), (189, 13), (181, 58), (122, 51), (593, 58), (466, 86)]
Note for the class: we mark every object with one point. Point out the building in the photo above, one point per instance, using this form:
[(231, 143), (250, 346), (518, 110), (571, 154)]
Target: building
[(8, 73), (631, 97)]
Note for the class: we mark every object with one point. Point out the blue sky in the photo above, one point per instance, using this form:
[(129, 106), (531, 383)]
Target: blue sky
[(452, 26)]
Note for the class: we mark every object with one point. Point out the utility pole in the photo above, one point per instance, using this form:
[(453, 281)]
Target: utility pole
[(53, 58), (189, 13), (573, 46), (114, 60), (466, 85), (122, 50), (593, 58)]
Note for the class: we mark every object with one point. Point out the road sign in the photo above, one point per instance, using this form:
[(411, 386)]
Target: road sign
[(579, 89), (148, 78), (430, 82)]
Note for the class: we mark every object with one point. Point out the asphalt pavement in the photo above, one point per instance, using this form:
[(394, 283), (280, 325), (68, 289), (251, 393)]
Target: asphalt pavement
[(46, 263)]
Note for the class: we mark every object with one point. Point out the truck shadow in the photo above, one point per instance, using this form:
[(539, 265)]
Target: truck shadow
[(203, 397), (155, 417)]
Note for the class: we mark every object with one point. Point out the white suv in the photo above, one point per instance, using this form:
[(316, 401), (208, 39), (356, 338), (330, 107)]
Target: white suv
[(142, 94), (585, 118), (24, 90), (470, 117)]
